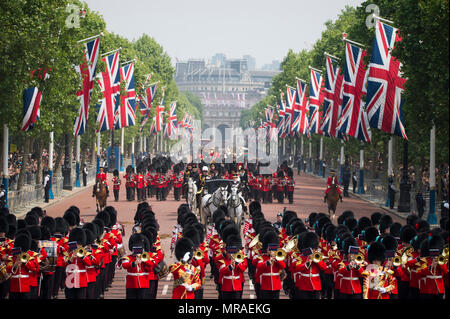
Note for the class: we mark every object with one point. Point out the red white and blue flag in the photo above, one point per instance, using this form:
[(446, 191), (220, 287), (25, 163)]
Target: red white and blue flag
[(332, 102), (385, 83), (125, 113), (301, 109), (159, 114), (109, 82), (315, 100), (153, 127), (87, 71), (31, 107), (291, 95), (353, 121), (172, 119), (281, 117), (270, 125), (145, 103)]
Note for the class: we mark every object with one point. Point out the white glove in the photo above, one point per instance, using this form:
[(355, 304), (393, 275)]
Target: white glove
[(382, 290), (186, 257), (188, 287)]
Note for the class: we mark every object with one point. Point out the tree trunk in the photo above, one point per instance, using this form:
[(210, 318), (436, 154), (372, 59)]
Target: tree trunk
[(40, 146), (22, 173), (59, 156)]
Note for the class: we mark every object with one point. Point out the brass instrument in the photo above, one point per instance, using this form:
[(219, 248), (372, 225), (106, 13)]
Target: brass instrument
[(199, 254), (359, 258), (145, 256), (80, 252), (24, 258), (445, 252), (317, 257), (238, 257), (255, 241), (4, 275), (290, 245), (396, 261), (280, 254), (442, 260)]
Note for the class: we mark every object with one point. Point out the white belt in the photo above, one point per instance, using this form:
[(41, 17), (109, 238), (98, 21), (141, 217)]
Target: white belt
[(309, 275), (89, 267), (434, 277), (19, 276), (137, 274), (76, 270), (270, 274), (350, 278), (231, 277)]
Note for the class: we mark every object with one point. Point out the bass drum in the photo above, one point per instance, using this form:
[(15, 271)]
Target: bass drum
[(4, 275), (50, 247), (161, 270)]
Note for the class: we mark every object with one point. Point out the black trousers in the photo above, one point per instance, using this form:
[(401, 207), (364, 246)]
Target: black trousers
[(84, 180), (176, 193), (414, 293), (91, 290), (280, 197), (231, 294), (269, 294), (291, 197), (46, 194), (354, 187), (4, 289), (403, 289), (76, 293), (346, 185), (198, 294), (19, 295), (116, 195), (303, 294), (348, 296), (432, 297), (58, 280), (46, 286), (153, 289), (137, 293)]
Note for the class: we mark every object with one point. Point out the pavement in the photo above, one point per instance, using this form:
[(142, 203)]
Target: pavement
[(308, 197)]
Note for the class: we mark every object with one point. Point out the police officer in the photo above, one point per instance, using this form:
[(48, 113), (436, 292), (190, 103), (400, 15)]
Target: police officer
[(85, 173), (46, 186)]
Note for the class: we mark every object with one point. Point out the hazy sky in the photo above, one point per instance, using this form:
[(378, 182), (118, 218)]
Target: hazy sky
[(265, 29)]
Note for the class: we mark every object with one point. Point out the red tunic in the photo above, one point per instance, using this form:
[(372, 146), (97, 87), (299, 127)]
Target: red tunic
[(116, 183), (269, 276), (231, 280), (20, 279), (137, 275)]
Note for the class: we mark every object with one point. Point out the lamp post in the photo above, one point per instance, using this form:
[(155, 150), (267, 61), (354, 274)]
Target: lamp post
[(404, 202)]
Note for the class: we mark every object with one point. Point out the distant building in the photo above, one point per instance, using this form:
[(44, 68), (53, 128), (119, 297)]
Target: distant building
[(251, 62), (274, 66), (224, 90)]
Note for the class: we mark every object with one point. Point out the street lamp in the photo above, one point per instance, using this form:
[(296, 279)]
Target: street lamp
[(404, 202)]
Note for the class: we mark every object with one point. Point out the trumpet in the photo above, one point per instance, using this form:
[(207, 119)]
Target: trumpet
[(445, 252), (24, 258), (359, 258), (199, 254), (80, 252), (238, 257), (396, 261), (317, 257), (442, 260), (280, 254), (145, 256)]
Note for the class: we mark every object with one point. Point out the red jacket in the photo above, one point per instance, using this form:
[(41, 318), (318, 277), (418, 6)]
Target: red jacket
[(231, 280), (116, 183), (269, 276), (290, 184), (433, 279), (20, 279), (137, 275), (129, 180), (265, 185), (102, 176), (350, 283), (307, 278), (76, 271), (191, 274), (139, 180)]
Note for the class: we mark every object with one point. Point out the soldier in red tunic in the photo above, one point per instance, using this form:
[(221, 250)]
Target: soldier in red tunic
[(330, 181), (116, 185), (129, 183), (139, 181), (177, 182), (101, 175)]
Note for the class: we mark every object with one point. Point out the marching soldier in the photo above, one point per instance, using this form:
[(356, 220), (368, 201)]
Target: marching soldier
[(139, 182), (177, 182), (129, 183), (280, 185), (290, 186), (116, 185)]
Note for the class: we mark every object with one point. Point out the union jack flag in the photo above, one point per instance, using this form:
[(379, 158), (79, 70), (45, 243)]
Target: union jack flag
[(172, 119), (385, 83), (159, 114), (281, 117), (31, 107), (315, 100), (332, 99), (145, 104), (301, 108), (109, 82), (125, 113), (353, 122), (289, 111), (153, 127), (87, 71), (270, 125)]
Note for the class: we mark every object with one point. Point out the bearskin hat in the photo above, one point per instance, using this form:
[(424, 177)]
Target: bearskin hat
[(77, 234), (49, 223), (92, 227), (370, 234), (188, 218), (298, 228), (385, 222), (340, 238), (32, 219), (233, 240), (376, 252), (4, 226), (100, 225), (351, 223), (422, 226), (312, 219), (375, 218), (253, 207), (136, 240), (23, 242), (217, 214), (394, 230), (318, 225), (417, 240), (412, 220), (346, 214), (38, 210), (45, 233), (21, 223), (287, 216), (231, 229), (183, 246), (90, 236), (407, 233), (269, 237), (151, 235), (443, 223), (11, 232), (192, 234), (200, 230), (112, 214), (61, 226), (389, 242), (103, 215), (308, 240), (349, 241), (70, 218), (329, 233), (12, 220), (364, 222), (35, 232), (436, 242)]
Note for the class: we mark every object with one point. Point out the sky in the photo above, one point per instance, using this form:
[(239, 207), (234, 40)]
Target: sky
[(264, 29)]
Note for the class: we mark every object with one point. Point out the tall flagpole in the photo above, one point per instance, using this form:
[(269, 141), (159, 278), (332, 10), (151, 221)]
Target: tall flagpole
[(77, 161), (310, 157), (132, 153), (342, 161), (361, 170), (390, 171), (321, 170), (98, 152), (5, 161), (432, 213), (121, 148), (50, 165)]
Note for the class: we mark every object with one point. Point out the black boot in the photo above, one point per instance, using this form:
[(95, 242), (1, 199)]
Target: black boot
[(325, 198), (340, 197)]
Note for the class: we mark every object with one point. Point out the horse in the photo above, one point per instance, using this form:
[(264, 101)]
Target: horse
[(332, 199), (190, 198), (210, 202), (235, 205), (100, 194)]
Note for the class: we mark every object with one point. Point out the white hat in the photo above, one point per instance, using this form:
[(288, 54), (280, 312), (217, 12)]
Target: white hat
[(204, 168)]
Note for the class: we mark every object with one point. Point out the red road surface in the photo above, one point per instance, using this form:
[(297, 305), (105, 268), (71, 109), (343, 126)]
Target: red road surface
[(308, 197)]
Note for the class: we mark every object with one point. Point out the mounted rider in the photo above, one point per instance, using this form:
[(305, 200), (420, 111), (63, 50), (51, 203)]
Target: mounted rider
[(332, 179), (101, 175), (202, 188)]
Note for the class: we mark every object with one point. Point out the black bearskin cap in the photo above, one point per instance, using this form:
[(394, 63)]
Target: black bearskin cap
[(308, 240), (23, 241), (269, 237), (77, 234), (183, 246), (376, 251)]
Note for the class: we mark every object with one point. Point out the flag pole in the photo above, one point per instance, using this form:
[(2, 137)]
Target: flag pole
[(317, 70), (5, 162), (77, 162), (331, 56), (50, 165), (122, 137), (301, 80), (91, 38), (353, 42), (382, 19), (110, 52), (128, 62)]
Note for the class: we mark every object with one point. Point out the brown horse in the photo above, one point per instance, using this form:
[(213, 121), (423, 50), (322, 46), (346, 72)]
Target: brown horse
[(332, 199), (100, 194)]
